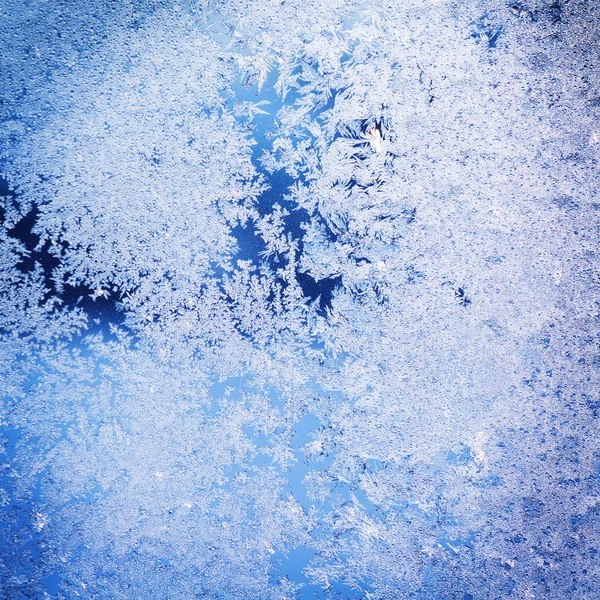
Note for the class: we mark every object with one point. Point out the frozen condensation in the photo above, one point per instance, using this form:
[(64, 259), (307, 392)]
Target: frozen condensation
[(299, 300)]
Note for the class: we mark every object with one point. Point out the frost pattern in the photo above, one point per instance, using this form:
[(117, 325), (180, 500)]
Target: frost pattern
[(349, 251)]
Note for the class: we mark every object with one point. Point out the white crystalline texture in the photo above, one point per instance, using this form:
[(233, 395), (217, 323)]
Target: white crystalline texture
[(350, 255)]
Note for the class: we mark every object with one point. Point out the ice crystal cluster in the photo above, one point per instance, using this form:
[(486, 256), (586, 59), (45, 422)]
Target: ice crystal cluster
[(299, 299)]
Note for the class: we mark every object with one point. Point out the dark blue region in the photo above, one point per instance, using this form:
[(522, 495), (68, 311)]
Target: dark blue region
[(322, 289), (250, 243), (102, 311), (554, 11)]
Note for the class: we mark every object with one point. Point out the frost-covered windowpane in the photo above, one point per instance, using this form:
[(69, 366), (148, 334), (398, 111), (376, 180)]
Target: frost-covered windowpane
[(299, 299)]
